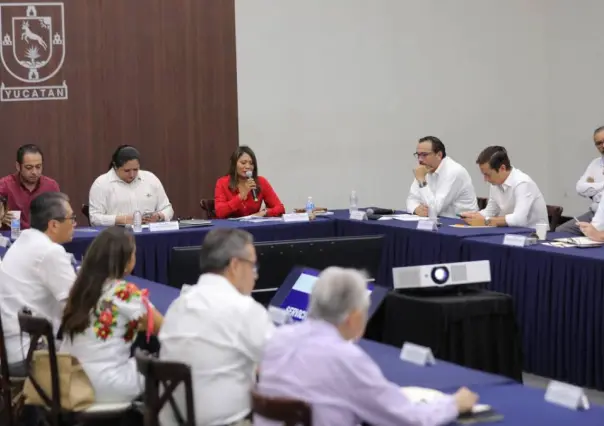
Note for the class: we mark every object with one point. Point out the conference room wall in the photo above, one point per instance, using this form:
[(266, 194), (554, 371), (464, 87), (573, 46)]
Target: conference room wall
[(158, 74), (576, 90), (333, 95)]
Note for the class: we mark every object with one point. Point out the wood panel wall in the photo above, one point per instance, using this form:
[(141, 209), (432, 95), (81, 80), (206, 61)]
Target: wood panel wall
[(157, 74)]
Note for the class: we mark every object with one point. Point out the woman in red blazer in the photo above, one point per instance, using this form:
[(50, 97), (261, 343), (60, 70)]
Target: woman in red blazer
[(233, 196)]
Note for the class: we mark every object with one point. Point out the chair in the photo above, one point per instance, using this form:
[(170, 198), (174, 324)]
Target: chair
[(165, 376), (86, 212), (482, 202), (11, 399), (554, 214), (207, 205), (291, 412), (37, 328)]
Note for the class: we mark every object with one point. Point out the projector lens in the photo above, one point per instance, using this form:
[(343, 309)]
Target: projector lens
[(440, 275)]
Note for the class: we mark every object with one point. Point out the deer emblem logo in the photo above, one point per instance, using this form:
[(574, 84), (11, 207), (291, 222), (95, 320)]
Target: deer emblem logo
[(32, 51), (28, 34)]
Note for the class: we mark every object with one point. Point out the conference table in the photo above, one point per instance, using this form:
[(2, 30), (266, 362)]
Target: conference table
[(153, 248), (558, 293), (519, 405)]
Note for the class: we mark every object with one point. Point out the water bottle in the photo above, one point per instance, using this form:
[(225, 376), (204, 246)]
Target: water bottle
[(137, 221), (310, 206), (354, 202), (432, 214), (15, 227)]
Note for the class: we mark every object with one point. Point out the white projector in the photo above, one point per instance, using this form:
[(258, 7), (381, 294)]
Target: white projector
[(442, 275)]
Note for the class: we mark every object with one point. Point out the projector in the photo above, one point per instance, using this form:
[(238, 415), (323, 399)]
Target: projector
[(442, 275)]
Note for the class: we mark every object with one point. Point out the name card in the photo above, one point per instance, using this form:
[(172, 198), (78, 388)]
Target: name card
[(514, 240), (278, 316), (358, 215), (416, 354), (427, 225), (296, 217), (565, 395), (4, 242), (164, 226)]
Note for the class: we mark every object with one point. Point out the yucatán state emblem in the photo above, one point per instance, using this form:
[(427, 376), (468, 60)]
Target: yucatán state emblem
[(32, 42)]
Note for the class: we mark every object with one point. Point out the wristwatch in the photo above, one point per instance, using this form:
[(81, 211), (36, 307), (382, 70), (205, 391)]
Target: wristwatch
[(422, 184), (487, 221)]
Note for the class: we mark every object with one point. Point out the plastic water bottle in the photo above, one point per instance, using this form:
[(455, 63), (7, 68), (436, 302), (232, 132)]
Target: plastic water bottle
[(137, 221), (310, 205), (15, 228), (354, 202), (432, 215)]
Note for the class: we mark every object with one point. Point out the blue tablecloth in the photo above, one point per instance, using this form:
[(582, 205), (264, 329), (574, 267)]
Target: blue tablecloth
[(559, 302), (153, 248), (518, 404), (443, 376), (524, 406), (405, 245)]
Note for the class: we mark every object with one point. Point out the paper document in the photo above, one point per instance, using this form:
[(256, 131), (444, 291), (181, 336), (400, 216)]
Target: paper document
[(409, 217), (260, 219), (418, 395)]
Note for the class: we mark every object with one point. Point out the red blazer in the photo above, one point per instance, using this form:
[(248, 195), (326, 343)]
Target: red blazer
[(228, 204)]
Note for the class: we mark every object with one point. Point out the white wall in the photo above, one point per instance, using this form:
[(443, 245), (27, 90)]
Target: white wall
[(333, 94), (576, 93)]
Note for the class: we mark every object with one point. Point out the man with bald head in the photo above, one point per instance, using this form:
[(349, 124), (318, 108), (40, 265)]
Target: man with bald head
[(590, 185)]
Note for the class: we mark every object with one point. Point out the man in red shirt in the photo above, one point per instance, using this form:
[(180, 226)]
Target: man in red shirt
[(26, 184)]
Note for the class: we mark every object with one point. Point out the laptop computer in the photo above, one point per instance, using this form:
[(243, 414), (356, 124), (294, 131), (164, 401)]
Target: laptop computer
[(294, 294)]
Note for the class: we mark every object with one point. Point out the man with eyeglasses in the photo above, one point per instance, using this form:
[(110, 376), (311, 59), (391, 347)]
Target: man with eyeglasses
[(36, 272), (27, 183), (219, 330), (591, 186), (440, 183)]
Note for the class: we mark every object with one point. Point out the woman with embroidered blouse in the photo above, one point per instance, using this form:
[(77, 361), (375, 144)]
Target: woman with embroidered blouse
[(103, 315)]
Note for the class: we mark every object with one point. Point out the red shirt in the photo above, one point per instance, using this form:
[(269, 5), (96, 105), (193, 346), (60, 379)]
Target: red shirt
[(19, 197), (228, 204)]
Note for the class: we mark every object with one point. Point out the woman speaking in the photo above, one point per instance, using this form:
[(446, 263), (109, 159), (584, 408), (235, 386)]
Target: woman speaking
[(242, 191)]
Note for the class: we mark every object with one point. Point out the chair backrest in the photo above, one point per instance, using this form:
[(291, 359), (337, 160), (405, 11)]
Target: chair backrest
[(482, 202), (290, 412), (6, 394), (554, 213), (208, 206), (37, 328), (86, 212), (161, 380)]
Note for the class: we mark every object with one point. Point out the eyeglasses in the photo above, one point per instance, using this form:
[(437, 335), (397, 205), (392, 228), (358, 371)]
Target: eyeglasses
[(421, 155), (255, 266), (63, 219), (599, 143)]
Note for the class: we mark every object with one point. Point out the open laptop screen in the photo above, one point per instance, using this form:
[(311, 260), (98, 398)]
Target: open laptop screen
[(293, 296)]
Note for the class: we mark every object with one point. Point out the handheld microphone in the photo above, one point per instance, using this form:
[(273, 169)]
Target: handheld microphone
[(254, 191)]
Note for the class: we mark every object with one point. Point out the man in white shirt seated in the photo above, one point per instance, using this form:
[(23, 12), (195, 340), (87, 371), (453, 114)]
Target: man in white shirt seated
[(439, 182), (219, 330), (317, 362), (590, 185), (37, 272), (124, 189), (514, 198)]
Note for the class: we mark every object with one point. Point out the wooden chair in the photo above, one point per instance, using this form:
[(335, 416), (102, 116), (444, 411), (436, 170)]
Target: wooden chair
[(165, 376), (11, 399), (291, 412), (554, 214), (482, 202), (37, 328), (207, 205), (86, 212)]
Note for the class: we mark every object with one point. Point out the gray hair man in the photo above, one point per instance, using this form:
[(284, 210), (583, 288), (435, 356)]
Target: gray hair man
[(219, 330), (36, 271), (315, 361)]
